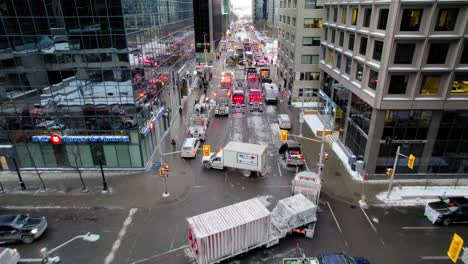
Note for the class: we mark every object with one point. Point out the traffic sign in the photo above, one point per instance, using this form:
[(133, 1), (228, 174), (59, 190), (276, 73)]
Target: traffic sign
[(157, 165), (411, 161), (455, 248), (56, 139)]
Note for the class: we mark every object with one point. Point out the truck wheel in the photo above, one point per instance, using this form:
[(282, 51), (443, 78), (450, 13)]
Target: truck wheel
[(27, 239), (246, 173), (207, 165), (447, 222)]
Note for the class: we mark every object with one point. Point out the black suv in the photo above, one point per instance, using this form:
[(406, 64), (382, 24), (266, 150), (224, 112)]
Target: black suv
[(448, 210), (21, 228)]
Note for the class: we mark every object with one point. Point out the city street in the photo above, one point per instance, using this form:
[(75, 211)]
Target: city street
[(139, 226)]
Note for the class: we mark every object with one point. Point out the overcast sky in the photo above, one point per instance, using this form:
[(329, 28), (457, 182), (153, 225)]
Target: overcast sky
[(244, 4)]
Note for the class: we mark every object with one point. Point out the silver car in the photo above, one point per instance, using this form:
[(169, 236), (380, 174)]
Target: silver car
[(284, 122)]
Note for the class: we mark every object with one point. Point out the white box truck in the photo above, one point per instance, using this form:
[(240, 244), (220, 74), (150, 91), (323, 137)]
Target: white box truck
[(244, 156), (271, 92), (229, 231)]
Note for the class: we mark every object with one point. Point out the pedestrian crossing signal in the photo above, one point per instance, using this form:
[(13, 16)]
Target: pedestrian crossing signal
[(206, 150), (162, 172), (411, 161), (455, 248), (389, 172), (283, 135)]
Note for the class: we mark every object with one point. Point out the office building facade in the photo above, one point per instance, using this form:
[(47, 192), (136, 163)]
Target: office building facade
[(85, 83), (299, 31), (396, 74)]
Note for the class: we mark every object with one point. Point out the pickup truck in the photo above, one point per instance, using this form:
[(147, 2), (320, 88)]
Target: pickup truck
[(292, 153)]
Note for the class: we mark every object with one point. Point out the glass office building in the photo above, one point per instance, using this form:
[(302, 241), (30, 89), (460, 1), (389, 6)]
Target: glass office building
[(103, 77)]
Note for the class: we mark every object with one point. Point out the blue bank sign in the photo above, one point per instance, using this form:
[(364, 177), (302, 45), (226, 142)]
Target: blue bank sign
[(68, 139)]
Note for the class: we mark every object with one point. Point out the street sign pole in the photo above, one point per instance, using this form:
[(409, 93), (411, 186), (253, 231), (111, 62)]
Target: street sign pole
[(166, 193), (390, 185)]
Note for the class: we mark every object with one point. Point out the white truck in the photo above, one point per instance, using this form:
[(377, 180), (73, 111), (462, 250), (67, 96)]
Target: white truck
[(271, 92), (229, 231), (198, 127), (244, 156)]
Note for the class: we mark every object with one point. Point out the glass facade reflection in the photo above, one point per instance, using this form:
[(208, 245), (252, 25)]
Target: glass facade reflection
[(90, 68)]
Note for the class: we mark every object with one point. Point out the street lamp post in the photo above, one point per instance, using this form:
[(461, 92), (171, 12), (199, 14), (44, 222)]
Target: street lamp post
[(99, 155), (46, 259), (21, 182)]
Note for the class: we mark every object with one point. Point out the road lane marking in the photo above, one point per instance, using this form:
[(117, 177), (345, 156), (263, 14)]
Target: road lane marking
[(110, 257), (367, 217), (173, 152), (419, 227), (434, 257), (334, 218), (279, 169)]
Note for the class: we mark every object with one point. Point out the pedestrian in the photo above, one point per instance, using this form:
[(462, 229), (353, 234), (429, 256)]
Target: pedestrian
[(173, 143), (180, 110)]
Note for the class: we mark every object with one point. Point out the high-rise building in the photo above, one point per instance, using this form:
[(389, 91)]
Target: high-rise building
[(84, 83), (259, 10), (396, 74), (211, 19), (299, 30)]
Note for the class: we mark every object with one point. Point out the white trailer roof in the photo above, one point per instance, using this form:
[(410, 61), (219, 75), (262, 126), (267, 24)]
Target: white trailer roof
[(246, 147), (227, 217)]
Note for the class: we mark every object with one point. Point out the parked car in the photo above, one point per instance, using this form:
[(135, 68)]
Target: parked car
[(190, 148), (21, 228), (448, 210), (284, 122)]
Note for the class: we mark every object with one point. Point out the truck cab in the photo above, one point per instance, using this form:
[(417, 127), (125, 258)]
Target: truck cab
[(197, 129), (255, 100), (215, 161)]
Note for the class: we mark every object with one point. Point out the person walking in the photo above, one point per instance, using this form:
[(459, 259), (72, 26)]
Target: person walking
[(173, 143)]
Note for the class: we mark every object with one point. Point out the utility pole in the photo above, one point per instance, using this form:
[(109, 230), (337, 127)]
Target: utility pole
[(390, 184), (301, 115), (322, 145)]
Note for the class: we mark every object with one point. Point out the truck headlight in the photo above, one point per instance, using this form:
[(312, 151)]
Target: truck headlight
[(34, 231)]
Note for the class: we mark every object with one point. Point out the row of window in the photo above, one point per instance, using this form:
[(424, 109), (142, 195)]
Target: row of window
[(439, 51), (308, 4), (430, 84), (411, 18), (308, 22)]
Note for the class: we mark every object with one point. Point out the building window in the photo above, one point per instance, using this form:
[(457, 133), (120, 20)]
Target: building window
[(294, 3), (311, 4), (333, 36), (328, 10), (438, 53), (373, 79), (378, 47), (464, 56), (310, 41), (383, 17), (430, 84), (398, 84), (289, 3), (460, 85), (404, 53), (343, 15), (310, 76), (325, 32), (309, 59), (348, 64), (354, 16), (411, 19), (289, 20), (359, 70), (292, 55), (294, 22), (293, 39), (446, 19), (341, 40), (335, 14), (312, 23), (363, 46), (351, 41), (338, 60), (367, 17), (331, 54)]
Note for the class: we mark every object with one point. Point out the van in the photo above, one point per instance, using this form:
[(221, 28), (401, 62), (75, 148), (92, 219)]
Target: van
[(190, 148)]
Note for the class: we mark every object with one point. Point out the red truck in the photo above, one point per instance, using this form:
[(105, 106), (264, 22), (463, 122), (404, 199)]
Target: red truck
[(256, 100)]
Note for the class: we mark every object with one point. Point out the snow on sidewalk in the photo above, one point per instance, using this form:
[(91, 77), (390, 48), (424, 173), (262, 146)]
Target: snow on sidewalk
[(306, 104), (420, 195)]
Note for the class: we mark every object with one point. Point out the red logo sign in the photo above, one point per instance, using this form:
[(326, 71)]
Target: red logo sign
[(55, 139)]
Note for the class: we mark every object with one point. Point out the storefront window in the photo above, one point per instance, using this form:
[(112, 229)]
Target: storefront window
[(406, 125)]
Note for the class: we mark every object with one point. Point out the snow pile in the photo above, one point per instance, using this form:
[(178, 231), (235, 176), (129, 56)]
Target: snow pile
[(420, 195)]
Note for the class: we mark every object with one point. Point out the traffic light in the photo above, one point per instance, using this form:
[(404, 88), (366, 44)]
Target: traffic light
[(389, 172), (325, 156), (411, 161), (283, 135), (206, 150), (162, 172), (455, 248)]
